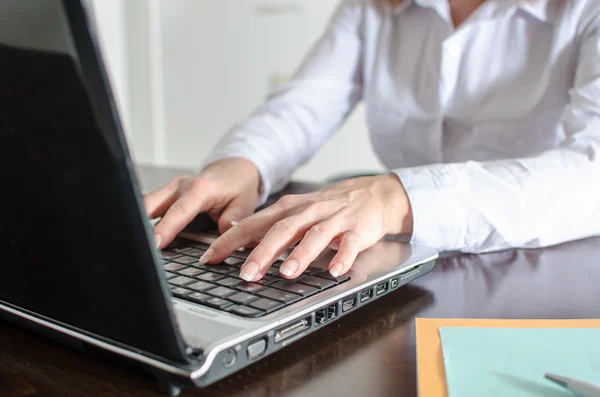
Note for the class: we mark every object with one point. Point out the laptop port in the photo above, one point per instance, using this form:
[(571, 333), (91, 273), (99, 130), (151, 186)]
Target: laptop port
[(410, 272), (394, 283), (256, 348), (229, 357), (332, 311), (320, 316), (366, 295), (348, 304), (292, 329), (381, 288)]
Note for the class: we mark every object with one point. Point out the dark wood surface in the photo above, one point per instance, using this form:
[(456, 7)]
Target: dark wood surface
[(370, 352)]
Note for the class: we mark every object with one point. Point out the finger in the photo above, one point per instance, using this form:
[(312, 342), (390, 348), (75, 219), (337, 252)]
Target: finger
[(282, 235), (240, 234), (316, 239), (178, 216), (158, 201), (248, 230), (238, 209), (349, 249), (275, 242), (335, 243)]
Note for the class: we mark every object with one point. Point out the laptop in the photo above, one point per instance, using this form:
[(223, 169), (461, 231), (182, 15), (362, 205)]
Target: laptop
[(79, 262)]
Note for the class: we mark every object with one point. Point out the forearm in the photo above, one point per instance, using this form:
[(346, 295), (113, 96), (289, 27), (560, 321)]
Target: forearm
[(484, 206), (285, 132)]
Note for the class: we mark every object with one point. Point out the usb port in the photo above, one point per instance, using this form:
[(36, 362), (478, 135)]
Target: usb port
[(394, 283), (320, 316), (381, 288), (332, 311), (348, 304), (292, 329), (366, 295)]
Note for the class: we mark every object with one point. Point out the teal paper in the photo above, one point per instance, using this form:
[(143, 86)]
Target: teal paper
[(511, 362)]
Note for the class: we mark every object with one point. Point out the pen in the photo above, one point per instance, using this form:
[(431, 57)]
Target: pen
[(580, 388)]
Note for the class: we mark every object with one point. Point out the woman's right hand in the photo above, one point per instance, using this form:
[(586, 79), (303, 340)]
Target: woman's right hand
[(226, 189)]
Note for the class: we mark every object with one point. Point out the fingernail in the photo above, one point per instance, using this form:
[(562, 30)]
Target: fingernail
[(233, 223), (289, 268), (336, 270), (208, 255), (158, 239), (249, 271)]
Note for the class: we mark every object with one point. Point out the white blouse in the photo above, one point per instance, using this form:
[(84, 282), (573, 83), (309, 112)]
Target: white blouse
[(493, 127)]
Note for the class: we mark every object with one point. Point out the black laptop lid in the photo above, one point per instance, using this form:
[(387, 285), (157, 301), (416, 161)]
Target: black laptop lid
[(74, 246)]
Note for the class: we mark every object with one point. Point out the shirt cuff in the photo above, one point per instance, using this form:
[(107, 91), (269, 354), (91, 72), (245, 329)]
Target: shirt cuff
[(438, 214)]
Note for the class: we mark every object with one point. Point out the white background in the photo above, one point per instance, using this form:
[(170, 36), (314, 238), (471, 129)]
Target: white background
[(185, 71)]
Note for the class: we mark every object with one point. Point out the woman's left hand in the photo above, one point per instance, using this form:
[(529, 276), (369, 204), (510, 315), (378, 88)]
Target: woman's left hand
[(351, 215)]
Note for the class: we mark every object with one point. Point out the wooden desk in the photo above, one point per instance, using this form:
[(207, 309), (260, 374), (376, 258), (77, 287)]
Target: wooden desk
[(370, 352)]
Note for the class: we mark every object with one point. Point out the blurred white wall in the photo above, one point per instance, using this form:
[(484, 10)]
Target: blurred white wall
[(185, 71), (110, 22)]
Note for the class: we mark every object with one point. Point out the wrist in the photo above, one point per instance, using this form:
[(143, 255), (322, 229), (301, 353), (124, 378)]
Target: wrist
[(239, 167), (398, 209)]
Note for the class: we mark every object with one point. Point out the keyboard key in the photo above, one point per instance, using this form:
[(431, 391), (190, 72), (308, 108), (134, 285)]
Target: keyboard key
[(169, 255), (297, 288), (267, 305), (209, 277), (190, 272), (199, 245), (169, 276), (181, 281), (249, 287), (312, 270), (267, 280), (245, 311), (196, 253), (173, 267), (231, 261), (180, 292), (229, 282), (222, 269), (221, 292), (217, 303), (201, 286), (278, 295), (242, 298), (273, 271), (327, 276), (318, 282), (239, 254), (186, 260), (179, 248), (198, 297)]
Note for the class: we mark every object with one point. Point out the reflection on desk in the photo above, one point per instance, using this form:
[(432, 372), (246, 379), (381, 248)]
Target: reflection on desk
[(555, 282)]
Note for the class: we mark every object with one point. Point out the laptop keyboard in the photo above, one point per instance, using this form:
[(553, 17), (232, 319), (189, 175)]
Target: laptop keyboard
[(219, 286)]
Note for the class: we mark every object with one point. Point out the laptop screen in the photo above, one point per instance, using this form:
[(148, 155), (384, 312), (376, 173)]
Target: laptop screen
[(74, 245)]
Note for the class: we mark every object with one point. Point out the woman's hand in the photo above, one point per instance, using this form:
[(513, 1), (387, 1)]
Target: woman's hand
[(227, 190), (351, 215)]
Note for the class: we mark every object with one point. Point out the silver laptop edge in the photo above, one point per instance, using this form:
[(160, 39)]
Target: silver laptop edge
[(194, 318), (404, 263)]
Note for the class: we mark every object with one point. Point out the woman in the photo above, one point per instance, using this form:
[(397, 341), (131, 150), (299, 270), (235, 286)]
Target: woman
[(486, 113)]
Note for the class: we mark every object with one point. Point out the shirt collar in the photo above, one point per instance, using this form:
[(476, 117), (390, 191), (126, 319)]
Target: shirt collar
[(544, 10), (441, 6)]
